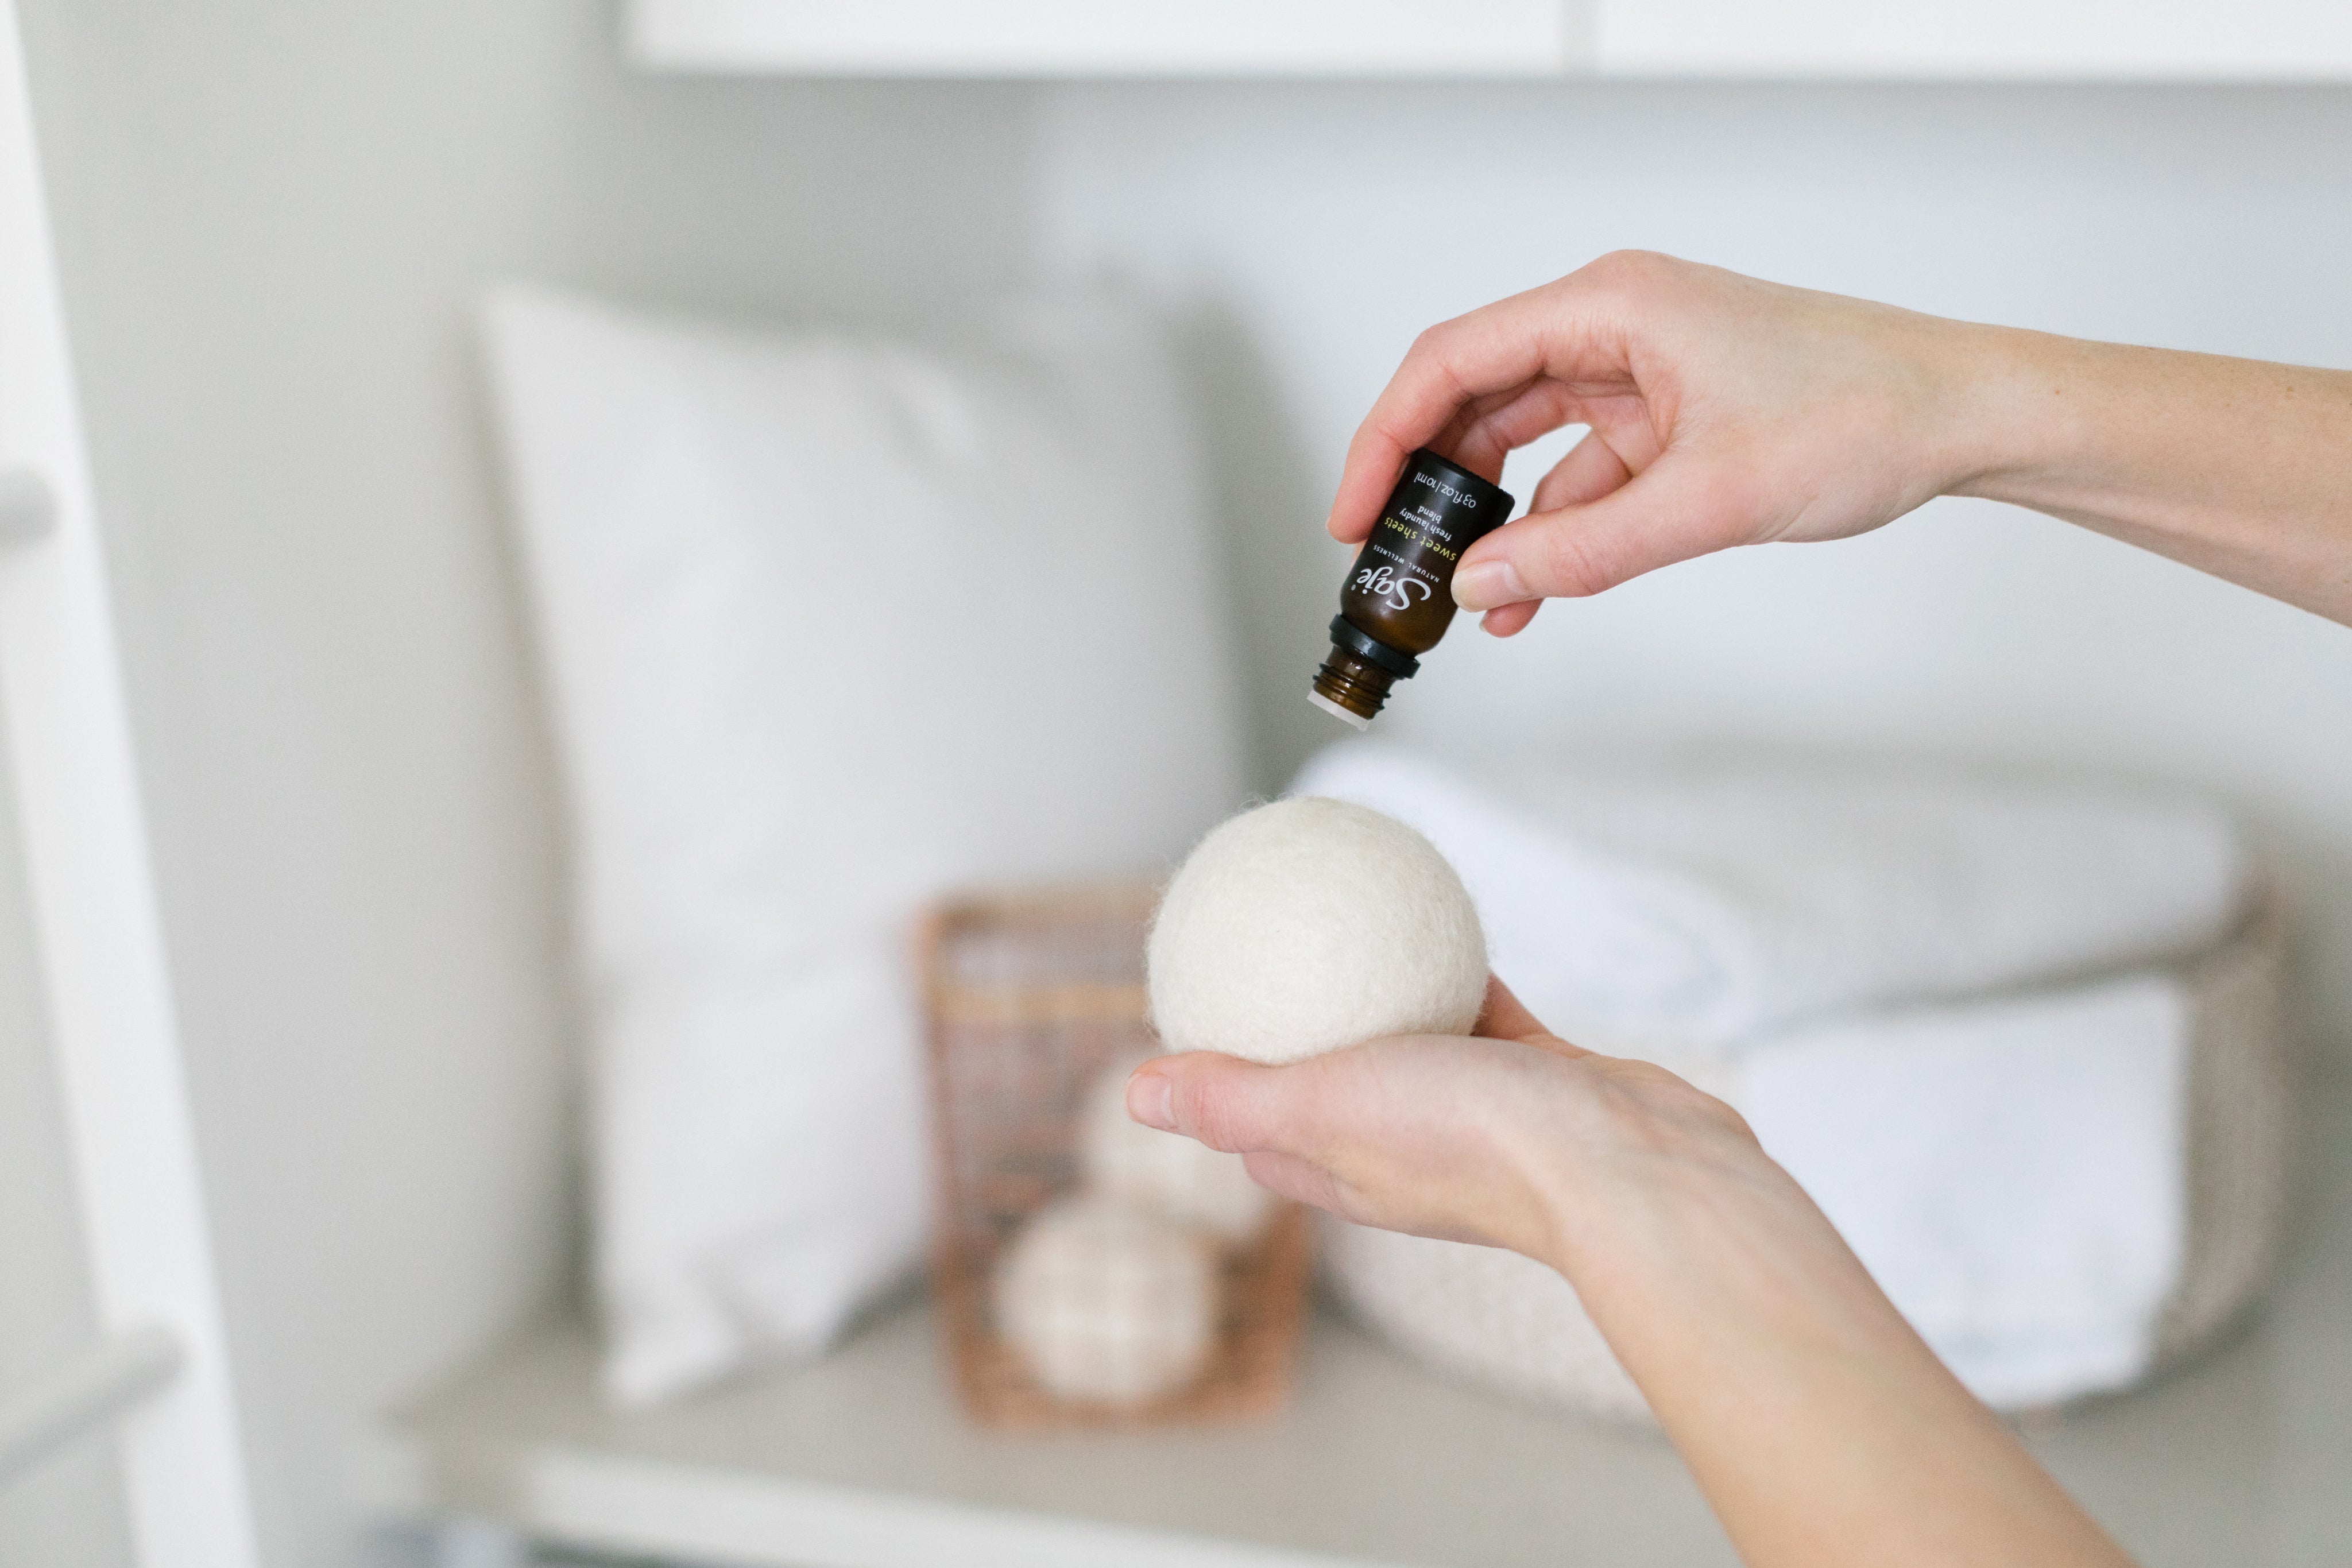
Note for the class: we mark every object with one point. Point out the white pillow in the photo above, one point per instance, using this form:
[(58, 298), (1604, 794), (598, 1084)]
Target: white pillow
[(833, 624)]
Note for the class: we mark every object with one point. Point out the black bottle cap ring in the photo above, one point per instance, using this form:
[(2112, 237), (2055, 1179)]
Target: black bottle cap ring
[(1347, 638)]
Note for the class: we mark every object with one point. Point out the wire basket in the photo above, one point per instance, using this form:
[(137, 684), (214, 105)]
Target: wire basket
[(1028, 997)]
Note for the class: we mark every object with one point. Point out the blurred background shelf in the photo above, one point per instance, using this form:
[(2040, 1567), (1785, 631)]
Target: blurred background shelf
[(1287, 38), (861, 1459), (2162, 40)]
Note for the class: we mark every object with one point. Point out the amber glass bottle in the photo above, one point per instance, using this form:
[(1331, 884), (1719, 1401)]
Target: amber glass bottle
[(1398, 598)]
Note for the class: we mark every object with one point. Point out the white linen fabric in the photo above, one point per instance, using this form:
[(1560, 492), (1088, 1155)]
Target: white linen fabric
[(831, 624), (2011, 1167)]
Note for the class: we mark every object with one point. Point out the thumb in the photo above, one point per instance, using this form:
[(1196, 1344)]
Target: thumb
[(1227, 1103), (1676, 508)]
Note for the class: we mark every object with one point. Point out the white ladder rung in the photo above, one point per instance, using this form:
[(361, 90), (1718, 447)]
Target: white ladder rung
[(86, 1395)]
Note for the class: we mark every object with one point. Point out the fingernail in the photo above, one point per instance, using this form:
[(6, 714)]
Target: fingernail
[(1151, 1100), (1489, 585)]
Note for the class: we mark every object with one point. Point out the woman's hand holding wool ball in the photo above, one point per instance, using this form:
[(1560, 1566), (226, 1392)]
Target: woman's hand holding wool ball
[(1501, 1137), (1326, 935)]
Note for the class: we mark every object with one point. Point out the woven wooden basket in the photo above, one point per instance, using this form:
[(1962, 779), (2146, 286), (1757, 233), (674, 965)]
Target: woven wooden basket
[(1029, 995)]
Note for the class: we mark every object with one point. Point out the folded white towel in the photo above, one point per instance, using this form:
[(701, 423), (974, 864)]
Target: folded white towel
[(2010, 1172), (1705, 907), (1863, 963)]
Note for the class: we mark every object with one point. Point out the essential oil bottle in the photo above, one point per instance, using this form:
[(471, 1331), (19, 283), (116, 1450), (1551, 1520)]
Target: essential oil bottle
[(1397, 598)]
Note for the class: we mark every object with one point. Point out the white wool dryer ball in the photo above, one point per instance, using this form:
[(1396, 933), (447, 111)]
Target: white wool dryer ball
[(1109, 1302), (1185, 1180), (1310, 925)]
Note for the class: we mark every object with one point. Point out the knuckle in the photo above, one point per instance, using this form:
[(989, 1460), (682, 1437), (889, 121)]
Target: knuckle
[(1627, 264), (1627, 273), (1430, 346), (1575, 564)]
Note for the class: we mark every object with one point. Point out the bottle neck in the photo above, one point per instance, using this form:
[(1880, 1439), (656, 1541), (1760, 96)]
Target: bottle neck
[(1350, 688)]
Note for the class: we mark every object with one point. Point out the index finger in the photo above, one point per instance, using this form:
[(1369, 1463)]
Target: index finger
[(1494, 348)]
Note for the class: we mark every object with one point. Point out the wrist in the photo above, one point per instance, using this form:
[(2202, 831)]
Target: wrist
[(2017, 405), (1633, 1156)]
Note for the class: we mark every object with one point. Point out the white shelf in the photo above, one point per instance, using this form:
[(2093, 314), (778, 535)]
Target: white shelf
[(1983, 40), (860, 1459), (1380, 38), (1986, 40)]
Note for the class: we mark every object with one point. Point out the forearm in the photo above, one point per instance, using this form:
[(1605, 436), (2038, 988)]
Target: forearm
[(2235, 466), (1823, 1432)]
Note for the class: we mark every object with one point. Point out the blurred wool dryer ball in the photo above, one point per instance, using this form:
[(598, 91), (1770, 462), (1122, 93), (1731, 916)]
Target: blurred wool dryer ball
[(1310, 925), (1109, 1302), (1175, 1176)]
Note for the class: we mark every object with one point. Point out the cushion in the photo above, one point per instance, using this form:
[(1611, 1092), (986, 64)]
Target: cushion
[(832, 623)]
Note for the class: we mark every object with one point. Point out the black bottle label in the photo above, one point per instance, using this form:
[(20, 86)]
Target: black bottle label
[(1400, 590)]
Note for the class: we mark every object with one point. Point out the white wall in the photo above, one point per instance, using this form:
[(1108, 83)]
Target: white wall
[(273, 218), (1309, 232)]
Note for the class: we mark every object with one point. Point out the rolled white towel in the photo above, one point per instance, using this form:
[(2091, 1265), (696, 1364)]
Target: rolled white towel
[(1702, 908)]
